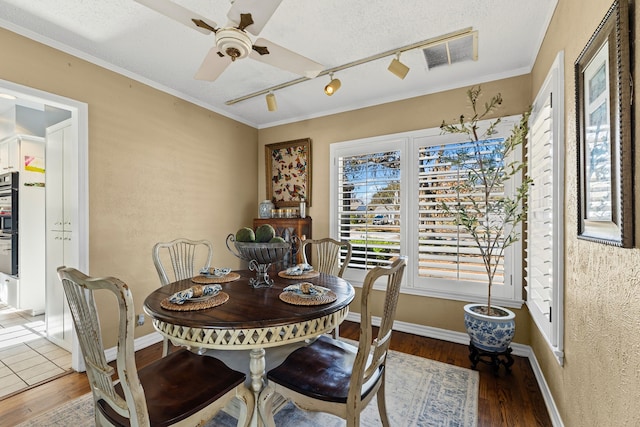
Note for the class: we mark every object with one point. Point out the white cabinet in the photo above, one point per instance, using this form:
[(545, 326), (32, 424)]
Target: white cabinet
[(60, 223), (8, 289), (10, 155)]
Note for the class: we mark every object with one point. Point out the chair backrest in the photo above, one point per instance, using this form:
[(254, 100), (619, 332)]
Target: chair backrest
[(327, 258), (372, 353), (182, 253), (79, 290)]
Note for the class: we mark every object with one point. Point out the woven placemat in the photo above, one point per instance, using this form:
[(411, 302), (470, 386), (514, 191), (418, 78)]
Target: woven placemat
[(212, 279), (295, 299), (307, 275), (214, 301)]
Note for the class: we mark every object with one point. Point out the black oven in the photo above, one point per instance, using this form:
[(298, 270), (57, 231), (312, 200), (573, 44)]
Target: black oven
[(9, 183)]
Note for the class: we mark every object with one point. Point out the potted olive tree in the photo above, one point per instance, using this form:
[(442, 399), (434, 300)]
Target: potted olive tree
[(488, 214)]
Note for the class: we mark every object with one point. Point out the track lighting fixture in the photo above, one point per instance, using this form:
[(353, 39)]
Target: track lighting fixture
[(272, 105), (466, 37), (333, 85), (398, 68)]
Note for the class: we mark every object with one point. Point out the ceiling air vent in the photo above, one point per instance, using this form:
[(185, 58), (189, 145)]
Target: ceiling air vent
[(452, 50)]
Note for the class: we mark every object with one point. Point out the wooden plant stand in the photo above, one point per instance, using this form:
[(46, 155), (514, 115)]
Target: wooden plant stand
[(491, 358)]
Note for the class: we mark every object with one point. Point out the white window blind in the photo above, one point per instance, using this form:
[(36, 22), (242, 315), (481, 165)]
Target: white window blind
[(385, 192), (368, 193), (545, 223), (540, 220), (445, 250)]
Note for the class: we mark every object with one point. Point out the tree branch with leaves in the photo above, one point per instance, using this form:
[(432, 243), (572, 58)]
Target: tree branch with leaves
[(483, 208)]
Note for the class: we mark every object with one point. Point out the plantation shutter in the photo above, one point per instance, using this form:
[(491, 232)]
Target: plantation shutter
[(545, 220), (540, 251), (445, 250), (369, 207)]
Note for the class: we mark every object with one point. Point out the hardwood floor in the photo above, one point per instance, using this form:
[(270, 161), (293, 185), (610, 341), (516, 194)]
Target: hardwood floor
[(506, 400)]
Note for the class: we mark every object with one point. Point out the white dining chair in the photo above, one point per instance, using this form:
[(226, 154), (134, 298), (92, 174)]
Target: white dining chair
[(327, 255), (181, 254), (334, 376), (181, 389)]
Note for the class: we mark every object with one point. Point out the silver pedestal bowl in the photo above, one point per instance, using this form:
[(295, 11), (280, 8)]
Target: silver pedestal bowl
[(260, 256)]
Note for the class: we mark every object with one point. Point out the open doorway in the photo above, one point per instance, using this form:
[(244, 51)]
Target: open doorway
[(67, 124)]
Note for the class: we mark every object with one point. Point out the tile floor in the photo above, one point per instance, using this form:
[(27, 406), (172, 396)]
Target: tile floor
[(26, 356)]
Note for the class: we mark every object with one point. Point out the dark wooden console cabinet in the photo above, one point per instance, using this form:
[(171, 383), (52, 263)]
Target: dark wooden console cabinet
[(287, 228)]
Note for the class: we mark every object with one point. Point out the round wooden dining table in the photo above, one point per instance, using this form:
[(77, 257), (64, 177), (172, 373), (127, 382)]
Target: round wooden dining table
[(251, 319)]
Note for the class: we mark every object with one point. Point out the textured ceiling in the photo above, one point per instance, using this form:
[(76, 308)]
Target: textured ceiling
[(132, 39)]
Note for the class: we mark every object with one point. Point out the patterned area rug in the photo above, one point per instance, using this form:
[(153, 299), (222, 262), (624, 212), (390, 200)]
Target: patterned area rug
[(420, 392)]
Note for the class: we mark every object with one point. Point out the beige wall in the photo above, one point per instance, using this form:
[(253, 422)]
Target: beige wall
[(412, 114), (152, 157), (159, 167), (599, 384)]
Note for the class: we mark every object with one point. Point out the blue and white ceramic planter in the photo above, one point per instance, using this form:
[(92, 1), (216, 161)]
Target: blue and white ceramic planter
[(490, 333)]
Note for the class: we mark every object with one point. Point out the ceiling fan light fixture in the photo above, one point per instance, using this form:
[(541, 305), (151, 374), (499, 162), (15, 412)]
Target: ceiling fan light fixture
[(397, 68), (272, 105), (333, 86), (233, 43)]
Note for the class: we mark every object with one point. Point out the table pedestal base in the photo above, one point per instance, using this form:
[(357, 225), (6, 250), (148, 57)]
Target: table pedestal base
[(491, 358), (257, 365)]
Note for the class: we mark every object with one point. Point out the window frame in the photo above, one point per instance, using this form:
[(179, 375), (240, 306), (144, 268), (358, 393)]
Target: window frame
[(408, 144), (361, 147), (553, 329)]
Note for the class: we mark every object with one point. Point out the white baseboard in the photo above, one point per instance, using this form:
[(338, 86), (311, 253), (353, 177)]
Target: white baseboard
[(138, 344), (423, 331), (462, 338)]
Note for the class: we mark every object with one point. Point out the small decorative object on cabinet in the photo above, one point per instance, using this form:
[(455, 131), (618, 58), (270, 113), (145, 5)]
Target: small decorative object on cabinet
[(287, 228), (303, 208), (265, 208)]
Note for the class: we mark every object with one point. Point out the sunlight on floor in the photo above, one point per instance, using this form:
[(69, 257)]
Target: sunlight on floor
[(26, 356)]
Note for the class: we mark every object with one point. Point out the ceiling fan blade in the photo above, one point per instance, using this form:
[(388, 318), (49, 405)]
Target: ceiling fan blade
[(260, 10), (179, 13), (285, 59), (201, 24), (262, 50), (212, 66), (245, 21)]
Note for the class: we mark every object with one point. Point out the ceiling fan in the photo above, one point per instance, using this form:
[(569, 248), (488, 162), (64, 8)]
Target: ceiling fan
[(232, 42)]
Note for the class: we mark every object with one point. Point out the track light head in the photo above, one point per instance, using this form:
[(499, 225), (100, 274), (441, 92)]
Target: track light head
[(272, 105), (333, 86), (398, 68)]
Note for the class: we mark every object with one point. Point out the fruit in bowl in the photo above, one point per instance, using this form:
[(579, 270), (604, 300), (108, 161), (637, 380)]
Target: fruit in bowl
[(245, 234), (260, 248), (261, 245), (265, 233)]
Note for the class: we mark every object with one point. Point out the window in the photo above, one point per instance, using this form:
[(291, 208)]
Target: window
[(545, 241), (368, 204), (386, 196)]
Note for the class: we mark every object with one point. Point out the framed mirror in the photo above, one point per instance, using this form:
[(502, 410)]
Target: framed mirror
[(604, 134)]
